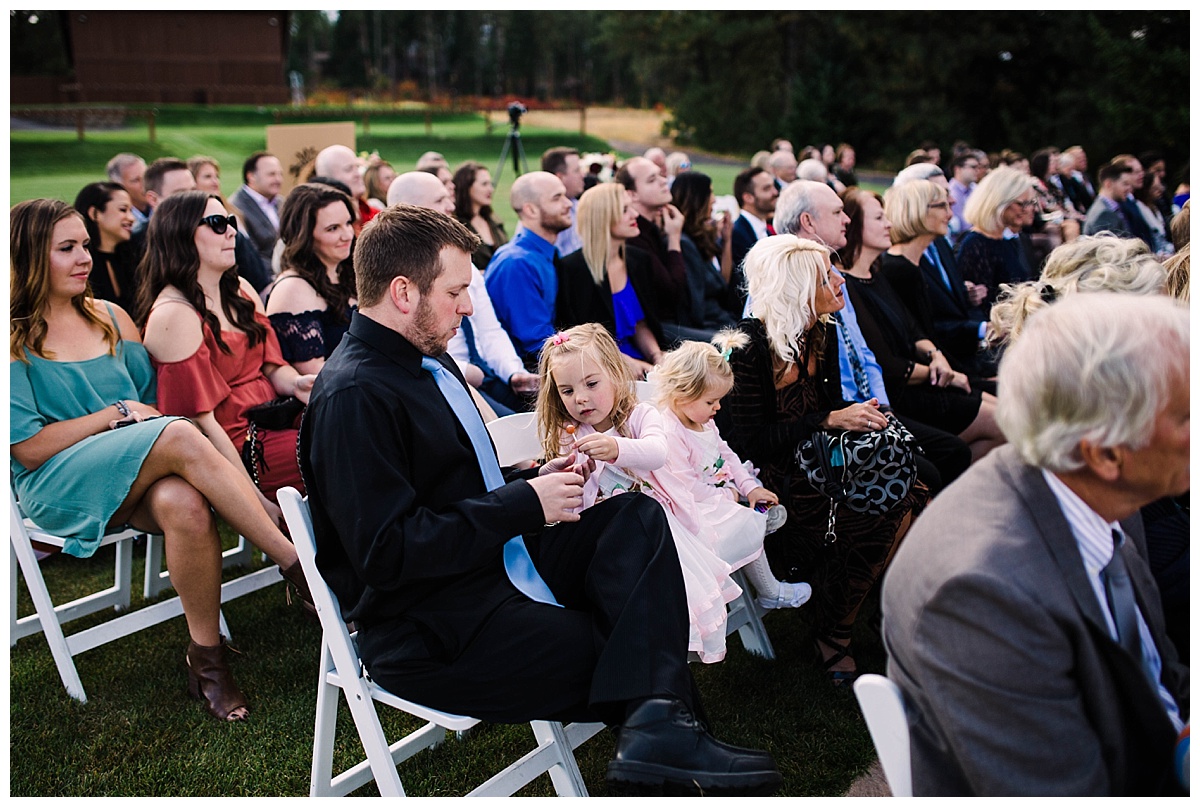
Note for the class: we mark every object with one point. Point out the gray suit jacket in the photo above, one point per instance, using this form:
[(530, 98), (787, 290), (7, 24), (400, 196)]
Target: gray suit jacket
[(258, 227), (1100, 218), (1011, 681)]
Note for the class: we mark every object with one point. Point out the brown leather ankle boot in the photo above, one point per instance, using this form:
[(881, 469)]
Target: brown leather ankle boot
[(210, 680)]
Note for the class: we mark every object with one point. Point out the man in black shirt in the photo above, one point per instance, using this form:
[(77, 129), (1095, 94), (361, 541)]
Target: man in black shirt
[(416, 546)]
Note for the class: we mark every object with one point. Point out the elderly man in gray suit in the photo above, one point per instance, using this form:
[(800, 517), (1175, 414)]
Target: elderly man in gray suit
[(1021, 621)]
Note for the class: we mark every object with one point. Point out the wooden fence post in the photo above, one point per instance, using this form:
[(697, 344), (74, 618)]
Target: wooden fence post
[(79, 123), (583, 120)]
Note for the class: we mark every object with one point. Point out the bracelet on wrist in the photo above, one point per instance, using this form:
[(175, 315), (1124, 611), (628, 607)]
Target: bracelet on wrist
[(122, 408)]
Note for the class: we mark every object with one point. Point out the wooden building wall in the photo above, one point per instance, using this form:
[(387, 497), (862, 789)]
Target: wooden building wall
[(184, 57)]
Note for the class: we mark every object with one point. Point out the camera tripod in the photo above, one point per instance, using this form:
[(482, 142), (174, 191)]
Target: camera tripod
[(512, 143)]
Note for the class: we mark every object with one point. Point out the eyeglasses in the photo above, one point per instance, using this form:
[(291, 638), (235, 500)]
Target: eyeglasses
[(1028, 203), (939, 205), (219, 224)]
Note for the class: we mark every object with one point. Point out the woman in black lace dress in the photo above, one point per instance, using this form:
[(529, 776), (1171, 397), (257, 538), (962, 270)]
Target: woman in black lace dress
[(314, 295), (786, 386)]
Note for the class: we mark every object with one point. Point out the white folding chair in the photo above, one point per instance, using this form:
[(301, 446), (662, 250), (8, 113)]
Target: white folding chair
[(883, 707), (745, 617), (644, 390), (158, 578), (49, 618), (516, 438), (341, 669)]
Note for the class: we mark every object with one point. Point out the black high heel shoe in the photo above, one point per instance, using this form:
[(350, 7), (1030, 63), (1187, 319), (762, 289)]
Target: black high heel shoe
[(839, 678)]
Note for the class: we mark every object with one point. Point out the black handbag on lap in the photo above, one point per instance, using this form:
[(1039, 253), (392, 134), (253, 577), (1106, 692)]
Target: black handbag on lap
[(869, 472), (276, 415)]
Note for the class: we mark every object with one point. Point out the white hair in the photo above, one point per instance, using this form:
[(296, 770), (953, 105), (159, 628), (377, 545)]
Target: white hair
[(782, 274), (812, 170), (916, 171), (795, 199), (1095, 367)]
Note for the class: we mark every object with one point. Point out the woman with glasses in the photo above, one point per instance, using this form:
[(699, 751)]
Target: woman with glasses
[(920, 381), (313, 297), (90, 453), (212, 344), (993, 251)]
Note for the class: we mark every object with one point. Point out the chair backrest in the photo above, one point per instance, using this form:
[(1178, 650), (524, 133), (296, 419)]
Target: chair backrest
[(883, 707), (516, 438), (299, 521), (645, 391)]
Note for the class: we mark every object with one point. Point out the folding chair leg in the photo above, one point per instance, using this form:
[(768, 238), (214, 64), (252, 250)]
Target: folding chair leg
[(325, 729), (565, 775), (753, 633), (45, 610), (12, 596)]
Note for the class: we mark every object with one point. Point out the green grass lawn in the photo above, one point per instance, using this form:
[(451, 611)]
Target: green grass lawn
[(56, 164), (140, 735)]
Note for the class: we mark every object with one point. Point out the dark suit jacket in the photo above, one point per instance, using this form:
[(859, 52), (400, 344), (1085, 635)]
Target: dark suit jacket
[(955, 321), (1012, 683), (580, 300), (744, 238), (259, 229)]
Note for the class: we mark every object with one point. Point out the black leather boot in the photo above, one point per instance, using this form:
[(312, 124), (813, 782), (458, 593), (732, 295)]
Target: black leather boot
[(661, 744)]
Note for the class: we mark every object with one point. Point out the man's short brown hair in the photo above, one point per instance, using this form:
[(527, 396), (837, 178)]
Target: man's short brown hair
[(554, 160), (159, 169), (405, 241)]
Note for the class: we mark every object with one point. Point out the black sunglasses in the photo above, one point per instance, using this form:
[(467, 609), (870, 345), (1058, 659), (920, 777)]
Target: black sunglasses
[(219, 224)]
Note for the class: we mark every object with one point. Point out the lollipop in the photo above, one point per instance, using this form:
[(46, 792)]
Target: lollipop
[(570, 428)]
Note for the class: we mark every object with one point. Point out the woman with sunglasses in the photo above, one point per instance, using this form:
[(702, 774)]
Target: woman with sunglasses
[(212, 344), (89, 452), (993, 251), (920, 381), (313, 297)]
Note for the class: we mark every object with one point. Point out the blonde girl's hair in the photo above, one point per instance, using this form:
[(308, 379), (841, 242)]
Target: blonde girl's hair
[(600, 207), (685, 373), (783, 273), (594, 342), (30, 241)]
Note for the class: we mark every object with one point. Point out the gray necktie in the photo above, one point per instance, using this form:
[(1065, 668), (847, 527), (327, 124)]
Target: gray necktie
[(1121, 602)]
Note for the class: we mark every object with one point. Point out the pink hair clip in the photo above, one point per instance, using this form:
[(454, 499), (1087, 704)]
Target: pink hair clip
[(560, 338)]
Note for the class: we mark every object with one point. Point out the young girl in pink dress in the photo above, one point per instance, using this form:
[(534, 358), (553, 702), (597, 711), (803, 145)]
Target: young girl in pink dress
[(587, 404), (689, 383)]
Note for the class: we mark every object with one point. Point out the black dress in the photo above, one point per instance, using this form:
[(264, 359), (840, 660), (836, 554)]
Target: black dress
[(891, 333), (119, 265), (765, 426)]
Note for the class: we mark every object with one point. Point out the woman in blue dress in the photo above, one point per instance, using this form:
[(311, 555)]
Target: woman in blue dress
[(89, 452), (312, 300)]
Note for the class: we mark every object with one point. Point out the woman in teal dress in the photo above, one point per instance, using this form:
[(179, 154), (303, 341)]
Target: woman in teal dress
[(89, 452)]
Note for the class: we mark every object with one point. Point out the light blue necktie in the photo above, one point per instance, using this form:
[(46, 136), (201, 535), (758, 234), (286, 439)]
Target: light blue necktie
[(517, 562)]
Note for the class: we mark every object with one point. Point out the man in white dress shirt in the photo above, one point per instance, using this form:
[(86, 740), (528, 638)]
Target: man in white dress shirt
[(487, 359)]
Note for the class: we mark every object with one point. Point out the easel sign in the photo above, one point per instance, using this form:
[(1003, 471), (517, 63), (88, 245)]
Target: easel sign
[(297, 145)]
